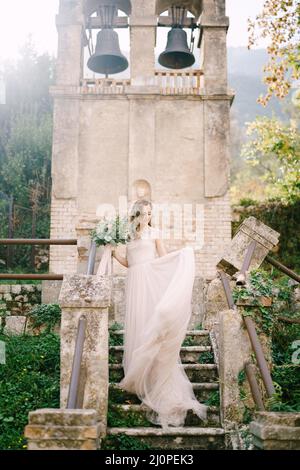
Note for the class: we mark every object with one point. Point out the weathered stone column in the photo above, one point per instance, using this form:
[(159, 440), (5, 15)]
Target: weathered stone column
[(213, 61), (213, 51), (234, 351), (69, 23), (142, 41), (69, 69), (89, 296)]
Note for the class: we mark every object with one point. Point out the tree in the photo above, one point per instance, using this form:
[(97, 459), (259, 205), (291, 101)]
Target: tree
[(279, 22), (275, 148), (25, 146)]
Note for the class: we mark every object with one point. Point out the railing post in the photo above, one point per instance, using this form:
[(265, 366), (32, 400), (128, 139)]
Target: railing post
[(88, 296)]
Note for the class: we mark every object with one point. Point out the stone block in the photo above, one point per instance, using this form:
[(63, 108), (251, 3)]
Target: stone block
[(85, 291), (29, 287), (63, 429), (276, 430), (15, 325), (63, 417), (5, 288), (251, 229), (7, 296), (50, 291), (16, 289)]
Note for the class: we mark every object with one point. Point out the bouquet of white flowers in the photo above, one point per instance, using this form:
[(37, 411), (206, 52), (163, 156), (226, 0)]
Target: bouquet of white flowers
[(109, 233)]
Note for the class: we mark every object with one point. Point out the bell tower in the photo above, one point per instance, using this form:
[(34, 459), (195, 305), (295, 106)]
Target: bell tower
[(160, 129)]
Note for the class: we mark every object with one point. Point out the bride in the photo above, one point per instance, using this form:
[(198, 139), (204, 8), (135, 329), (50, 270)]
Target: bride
[(158, 310)]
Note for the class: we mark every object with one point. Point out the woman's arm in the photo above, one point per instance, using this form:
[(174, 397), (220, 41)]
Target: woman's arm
[(160, 247), (119, 258)]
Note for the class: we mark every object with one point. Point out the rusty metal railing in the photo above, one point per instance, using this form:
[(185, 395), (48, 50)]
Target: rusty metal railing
[(35, 241), (282, 268)]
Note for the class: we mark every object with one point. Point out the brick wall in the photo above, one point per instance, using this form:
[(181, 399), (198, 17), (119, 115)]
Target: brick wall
[(63, 259)]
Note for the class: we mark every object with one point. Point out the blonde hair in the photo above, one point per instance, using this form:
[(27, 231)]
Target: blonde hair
[(135, 213)]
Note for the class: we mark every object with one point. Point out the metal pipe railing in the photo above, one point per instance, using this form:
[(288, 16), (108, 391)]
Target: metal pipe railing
[(92, 257), (50, 277), (227, 290), (36, 241), (282, 268), (72, 401), (250, 372)]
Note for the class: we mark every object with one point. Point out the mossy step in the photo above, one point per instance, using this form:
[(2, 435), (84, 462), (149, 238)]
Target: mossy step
[(135, 415), (193, 337), (190, 438), (203, 392), (195, 372), (188, 354)]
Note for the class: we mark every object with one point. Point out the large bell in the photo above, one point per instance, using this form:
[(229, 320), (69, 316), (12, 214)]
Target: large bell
[(177, 54), (108, 57)]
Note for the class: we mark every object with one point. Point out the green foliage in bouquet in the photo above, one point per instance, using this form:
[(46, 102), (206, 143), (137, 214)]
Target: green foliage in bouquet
[(111, 231)]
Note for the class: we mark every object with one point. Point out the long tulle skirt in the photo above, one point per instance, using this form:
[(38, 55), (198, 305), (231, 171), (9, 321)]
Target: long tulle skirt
[(158, 310)]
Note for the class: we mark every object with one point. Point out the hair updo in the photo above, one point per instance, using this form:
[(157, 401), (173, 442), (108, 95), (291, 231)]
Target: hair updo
[(134, 217)]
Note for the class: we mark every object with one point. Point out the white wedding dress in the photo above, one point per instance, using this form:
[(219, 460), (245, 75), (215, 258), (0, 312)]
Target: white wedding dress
[(158, 310)]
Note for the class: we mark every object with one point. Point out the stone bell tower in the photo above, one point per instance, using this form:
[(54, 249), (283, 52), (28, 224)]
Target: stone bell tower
[(161, 133)]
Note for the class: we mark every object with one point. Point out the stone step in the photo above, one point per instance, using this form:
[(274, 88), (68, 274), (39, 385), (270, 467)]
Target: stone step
[(188, 354), (195, 337), (195, 372), (189, 438), (135, 415), (202, 392)]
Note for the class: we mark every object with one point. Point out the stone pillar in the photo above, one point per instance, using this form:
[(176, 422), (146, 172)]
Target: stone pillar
[(143, 23), (213, 50), (56, 429), (234, 350), (89, 296), (251, 229), (213, 61), (64, 170), (69, 23)]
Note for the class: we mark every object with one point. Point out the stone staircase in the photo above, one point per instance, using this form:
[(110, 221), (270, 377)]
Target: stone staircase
[(127, 423)]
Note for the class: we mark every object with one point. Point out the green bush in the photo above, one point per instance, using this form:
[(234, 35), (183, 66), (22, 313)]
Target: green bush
[(29, 380), (47, 315)]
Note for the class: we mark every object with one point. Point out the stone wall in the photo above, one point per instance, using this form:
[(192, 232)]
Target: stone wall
[(16, 300), (63, 258)]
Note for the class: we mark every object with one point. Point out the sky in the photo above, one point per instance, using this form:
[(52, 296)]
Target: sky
[(28, 17)]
